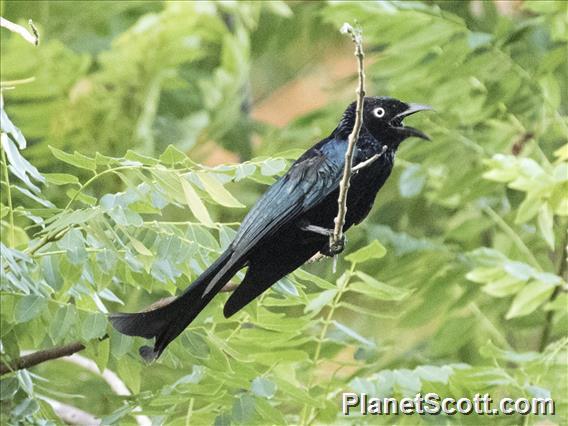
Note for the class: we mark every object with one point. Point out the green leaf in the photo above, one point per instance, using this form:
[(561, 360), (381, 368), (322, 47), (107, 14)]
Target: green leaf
[(243, 409), (374, 250), (61, 179), (519, 270), (73, 242), (263, 387), (378, 290), (503, 287), (280, 356), (272, 166), (311, 278), (489, 350), (104, 160), (26, 408), (18, 165), (76, 159), (546, 224), (77, 194), (51, 273), (102, 354), (195, 204), (125, 216), (222, 420), (134, 156), (62, 322), (116, 415), (320, 300), (287, 287), (271, 415), (551, 89), (120, 344), (29, 307), (130, 372), (487, 257), (483, 275), (353, 334), (26, 382), (94, 326), (8, 388), (140, 247), (279, 8), (529, 207), (534, 294), (412, 181), (172, 156), (558, 304), (244, 170), (217, 191)]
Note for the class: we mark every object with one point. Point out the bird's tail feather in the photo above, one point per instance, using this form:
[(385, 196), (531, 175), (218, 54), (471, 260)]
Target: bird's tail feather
[(167, 322)]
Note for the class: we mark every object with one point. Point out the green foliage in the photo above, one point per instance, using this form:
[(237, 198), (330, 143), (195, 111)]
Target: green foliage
[(456, 284)]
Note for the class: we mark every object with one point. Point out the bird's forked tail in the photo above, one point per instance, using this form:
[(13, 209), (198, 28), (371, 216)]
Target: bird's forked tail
[(167, 322)]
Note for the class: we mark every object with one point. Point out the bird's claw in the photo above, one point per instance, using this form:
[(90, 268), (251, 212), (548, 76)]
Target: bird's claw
[(334, 247)]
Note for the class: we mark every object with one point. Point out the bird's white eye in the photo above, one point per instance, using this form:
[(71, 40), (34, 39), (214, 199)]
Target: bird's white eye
[(379, 112)]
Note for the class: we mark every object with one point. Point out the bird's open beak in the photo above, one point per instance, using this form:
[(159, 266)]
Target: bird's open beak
[(411, 131)]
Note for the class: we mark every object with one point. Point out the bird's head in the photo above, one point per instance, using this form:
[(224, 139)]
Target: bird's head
[(383, 117)]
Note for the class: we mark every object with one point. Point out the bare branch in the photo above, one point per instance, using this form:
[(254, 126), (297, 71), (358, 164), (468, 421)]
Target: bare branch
[(38, 357), (336, 241)]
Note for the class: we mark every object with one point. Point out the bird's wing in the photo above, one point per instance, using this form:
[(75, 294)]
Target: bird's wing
[(310, 179)]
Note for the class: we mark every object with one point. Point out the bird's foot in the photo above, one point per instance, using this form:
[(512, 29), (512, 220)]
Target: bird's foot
[(334, 247)]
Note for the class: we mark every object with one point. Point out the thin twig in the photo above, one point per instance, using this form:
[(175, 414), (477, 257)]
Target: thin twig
[(18, 29), (370, 161), (336, 241)]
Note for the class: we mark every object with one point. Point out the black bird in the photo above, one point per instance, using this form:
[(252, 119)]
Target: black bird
[(290, 223)]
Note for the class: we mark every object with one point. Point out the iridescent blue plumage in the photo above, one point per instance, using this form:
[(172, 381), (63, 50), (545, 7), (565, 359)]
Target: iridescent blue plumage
[(275, 237)]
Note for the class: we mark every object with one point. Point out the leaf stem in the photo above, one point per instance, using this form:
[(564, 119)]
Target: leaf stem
[(562, 259), (9, 195), (489, 325), (513, 235), (307, 415), (189, 412)]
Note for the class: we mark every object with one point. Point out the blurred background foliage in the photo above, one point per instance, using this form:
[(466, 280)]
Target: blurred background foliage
[(146, 127)]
